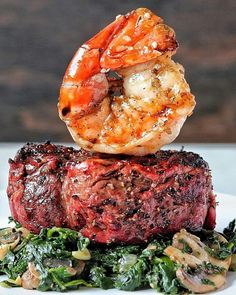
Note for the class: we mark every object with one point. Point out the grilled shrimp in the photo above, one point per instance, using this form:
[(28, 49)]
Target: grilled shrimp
[(122, 92)]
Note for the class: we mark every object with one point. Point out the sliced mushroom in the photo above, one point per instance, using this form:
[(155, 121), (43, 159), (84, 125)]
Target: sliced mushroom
[(31, 278), (202, 279), (222, 263), (197, 247), (79, 267), (8, 241), (182, 258), (200, 283)]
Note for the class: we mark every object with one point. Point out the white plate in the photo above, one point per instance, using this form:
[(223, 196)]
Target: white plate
[(225, 213)]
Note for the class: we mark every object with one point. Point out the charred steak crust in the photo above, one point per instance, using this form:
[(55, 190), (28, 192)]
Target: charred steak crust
[(121, 199)]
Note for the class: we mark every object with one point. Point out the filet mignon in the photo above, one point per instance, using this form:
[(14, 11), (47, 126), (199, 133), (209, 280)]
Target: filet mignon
[(110, 198)]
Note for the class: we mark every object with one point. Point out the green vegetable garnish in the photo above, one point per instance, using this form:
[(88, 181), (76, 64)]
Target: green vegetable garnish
[(65, 260)]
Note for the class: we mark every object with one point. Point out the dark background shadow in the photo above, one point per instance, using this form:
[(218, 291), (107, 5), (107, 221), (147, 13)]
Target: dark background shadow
[(38, 39)]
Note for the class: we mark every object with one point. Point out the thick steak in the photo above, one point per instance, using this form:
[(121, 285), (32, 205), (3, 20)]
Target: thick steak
[(120, 199)]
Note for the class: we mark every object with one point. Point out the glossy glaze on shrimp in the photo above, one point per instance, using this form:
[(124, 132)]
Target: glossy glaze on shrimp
[(143, 108)]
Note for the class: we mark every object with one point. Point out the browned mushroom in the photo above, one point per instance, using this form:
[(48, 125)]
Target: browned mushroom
[(202, 280), (79, 267), (222, 263), (8, 240), (31, 278), (182, 258)]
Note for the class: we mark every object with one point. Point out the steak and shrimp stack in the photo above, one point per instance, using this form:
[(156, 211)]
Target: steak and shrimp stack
[(132, 191)]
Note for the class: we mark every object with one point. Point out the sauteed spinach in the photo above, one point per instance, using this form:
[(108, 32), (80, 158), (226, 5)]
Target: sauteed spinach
[(62, 259)]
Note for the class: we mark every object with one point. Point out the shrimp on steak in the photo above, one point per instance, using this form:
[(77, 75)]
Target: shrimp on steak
[(122, 92)]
